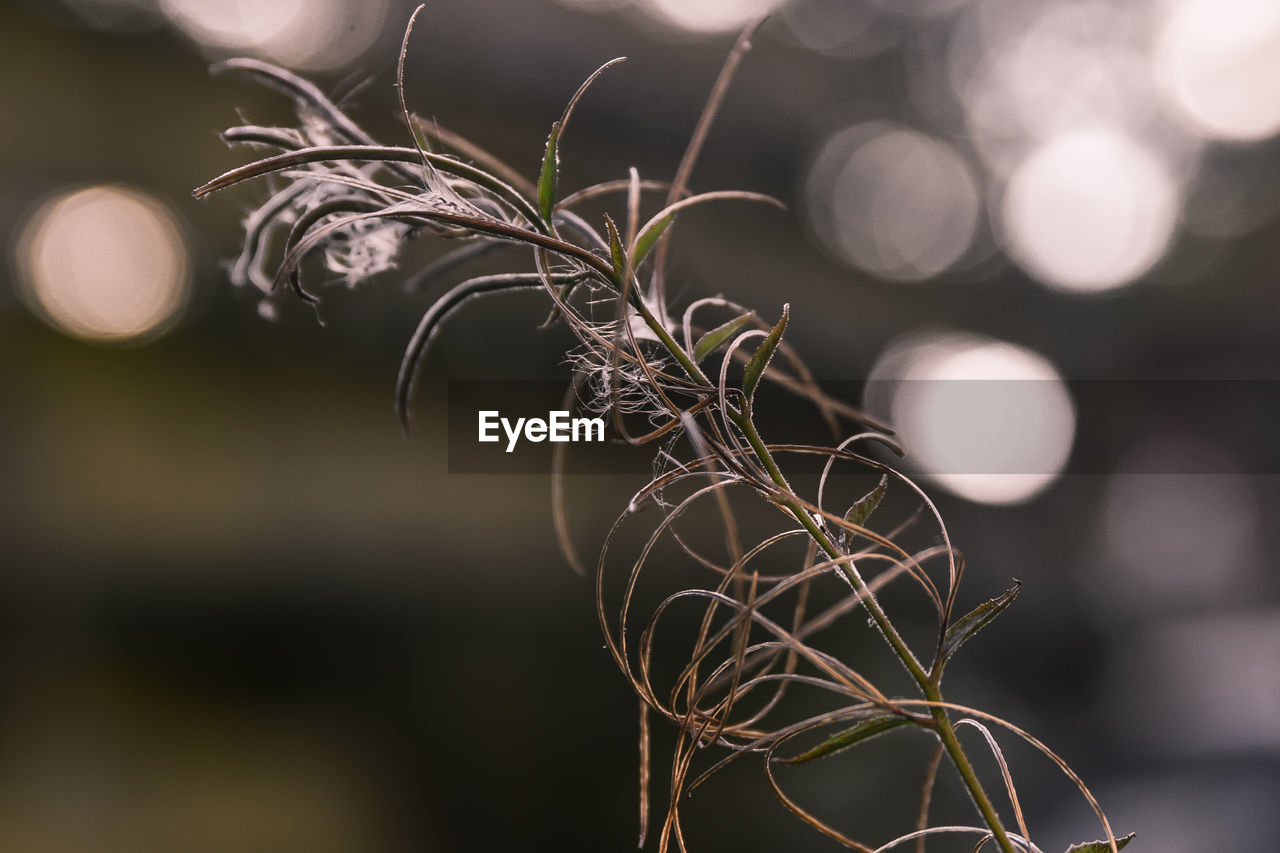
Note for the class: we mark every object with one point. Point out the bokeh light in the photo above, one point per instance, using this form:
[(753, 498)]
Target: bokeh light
[(1201, 684), (845, 28), (1061, 102), (709, 16), (987, 420), (1212, 806), (595, 5), (105, 263), (892, 201), (1090, 210), (305, 34), (924, 9), (1218, 61), (1026, 72), (1173, 540), (116, 15), (1232, 192)]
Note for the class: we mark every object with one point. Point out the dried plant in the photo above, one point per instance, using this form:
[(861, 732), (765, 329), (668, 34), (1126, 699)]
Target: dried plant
[(764, 593)]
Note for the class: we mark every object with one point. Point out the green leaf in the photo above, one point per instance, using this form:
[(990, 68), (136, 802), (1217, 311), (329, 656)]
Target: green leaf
[(863, 731), (1101, 846), (718, 337), (756, 367), (865, 505), (548, 181), (654, 228), (977, 619), (616, 255), (647, 238), (550, 177)]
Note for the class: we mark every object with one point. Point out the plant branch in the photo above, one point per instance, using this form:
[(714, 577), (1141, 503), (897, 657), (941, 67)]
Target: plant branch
[(942, 723)]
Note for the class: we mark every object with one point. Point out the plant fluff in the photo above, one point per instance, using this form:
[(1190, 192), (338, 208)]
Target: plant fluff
[(754, 600)]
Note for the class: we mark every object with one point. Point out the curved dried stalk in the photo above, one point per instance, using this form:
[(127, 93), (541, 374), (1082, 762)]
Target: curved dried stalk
[(1009, 787), (755, 611)]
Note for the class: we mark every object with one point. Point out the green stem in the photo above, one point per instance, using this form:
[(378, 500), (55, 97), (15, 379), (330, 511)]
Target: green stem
[(929, 683), (690, 367), (744, 422), (947, 734), (942, 723)]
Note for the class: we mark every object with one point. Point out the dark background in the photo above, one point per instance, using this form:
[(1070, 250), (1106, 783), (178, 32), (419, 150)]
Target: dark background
[(238, 611)]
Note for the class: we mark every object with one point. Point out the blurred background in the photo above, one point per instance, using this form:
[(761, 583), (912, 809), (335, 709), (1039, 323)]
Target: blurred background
[(239, 612)]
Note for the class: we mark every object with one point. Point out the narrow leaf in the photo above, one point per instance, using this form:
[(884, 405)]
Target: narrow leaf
[(865, 505), (756, 367), (368, 154), (616, 254), (549, 180), (718, 337), (647, 238), (977, 619), (863, 731), (653, 229), (550, 177), (1101, 846)]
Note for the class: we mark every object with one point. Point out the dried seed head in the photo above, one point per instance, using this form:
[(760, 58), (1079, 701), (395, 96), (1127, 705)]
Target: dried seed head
[(363, 249)]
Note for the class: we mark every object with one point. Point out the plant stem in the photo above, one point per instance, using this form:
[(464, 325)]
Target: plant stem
[(933, 693), (928, 683), (677, 352), (744, 422), (947, 734)]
